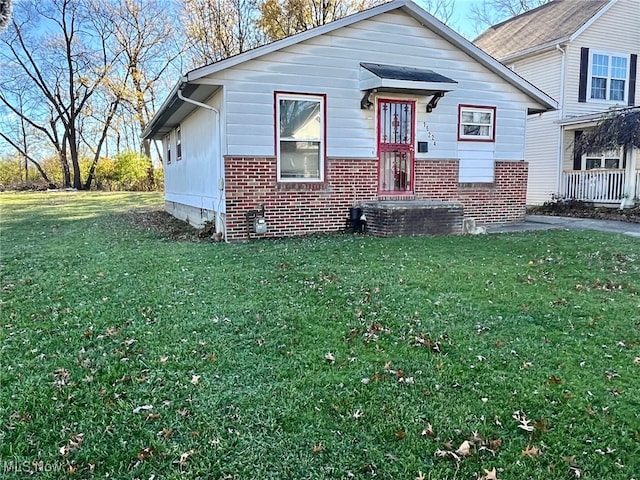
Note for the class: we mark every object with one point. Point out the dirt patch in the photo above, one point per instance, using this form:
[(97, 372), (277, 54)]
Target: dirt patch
[(159, 222)]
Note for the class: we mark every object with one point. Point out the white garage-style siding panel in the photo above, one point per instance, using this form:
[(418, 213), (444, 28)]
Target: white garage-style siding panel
[(542, 154), (193, 180), (330, 64)]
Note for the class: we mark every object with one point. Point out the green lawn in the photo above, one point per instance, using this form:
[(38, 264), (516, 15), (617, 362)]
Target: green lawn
[(128, 355)]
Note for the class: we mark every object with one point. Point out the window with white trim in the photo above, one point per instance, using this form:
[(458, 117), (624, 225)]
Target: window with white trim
[(178, 144), (609, 160), (608, 77), (300, 128), (476, 123), (167, 146)]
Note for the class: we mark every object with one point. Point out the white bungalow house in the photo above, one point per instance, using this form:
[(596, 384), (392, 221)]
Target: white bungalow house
[(387, 109), (585, 54)]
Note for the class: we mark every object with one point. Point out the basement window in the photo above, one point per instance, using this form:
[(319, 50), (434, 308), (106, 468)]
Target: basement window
[(300, 143)]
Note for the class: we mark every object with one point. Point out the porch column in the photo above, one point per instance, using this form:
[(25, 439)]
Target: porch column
[(630, 173)]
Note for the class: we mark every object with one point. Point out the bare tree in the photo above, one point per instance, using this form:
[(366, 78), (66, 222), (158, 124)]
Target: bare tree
[(441, 9), (218, 29), (149, 52), (5, 13), (489, 12), (282, 18), (59, 48)]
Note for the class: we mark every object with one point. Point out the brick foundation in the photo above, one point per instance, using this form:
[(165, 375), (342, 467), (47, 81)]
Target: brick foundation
[(301, 209)]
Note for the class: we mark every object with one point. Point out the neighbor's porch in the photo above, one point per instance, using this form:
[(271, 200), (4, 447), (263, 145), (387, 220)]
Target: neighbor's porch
[(607, 187)]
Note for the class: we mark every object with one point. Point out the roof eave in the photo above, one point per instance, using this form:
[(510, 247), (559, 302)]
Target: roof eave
[(547, 102), (546, 47)]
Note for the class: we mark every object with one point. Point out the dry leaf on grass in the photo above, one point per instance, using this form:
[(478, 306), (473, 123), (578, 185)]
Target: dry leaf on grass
[(530, 451), (490, 474), (182, 461), (464, 450)]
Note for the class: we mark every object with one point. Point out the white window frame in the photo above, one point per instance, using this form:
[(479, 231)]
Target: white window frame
[(321, 140), (590, 76), (477, 138), (178, 143), (602, 157), (167, 148)]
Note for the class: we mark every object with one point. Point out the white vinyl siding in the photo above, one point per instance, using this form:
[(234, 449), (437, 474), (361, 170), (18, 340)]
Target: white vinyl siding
[(196, 181), (330, 64), (623, 19), (542, 70)]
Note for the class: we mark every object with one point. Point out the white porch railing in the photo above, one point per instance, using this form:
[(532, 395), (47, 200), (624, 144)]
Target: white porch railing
[(598, 185)]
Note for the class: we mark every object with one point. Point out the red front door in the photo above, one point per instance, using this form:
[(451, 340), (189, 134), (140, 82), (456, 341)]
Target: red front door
[(396, 126)]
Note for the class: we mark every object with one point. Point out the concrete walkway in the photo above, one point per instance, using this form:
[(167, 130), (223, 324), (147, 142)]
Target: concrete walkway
[(544, 222)]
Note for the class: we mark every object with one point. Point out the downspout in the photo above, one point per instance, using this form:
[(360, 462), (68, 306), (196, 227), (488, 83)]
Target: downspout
[(560, 117), (222, 223)]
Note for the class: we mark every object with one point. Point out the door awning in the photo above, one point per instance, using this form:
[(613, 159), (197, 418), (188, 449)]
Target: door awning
[(392, 78)]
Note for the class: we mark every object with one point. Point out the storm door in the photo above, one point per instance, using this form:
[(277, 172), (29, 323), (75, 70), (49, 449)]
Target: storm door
[(396, 120)]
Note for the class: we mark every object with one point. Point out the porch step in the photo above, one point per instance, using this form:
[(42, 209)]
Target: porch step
[(389, 218)]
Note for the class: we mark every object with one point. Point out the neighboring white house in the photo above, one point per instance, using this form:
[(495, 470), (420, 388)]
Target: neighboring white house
[(386, 104), (584, 53)]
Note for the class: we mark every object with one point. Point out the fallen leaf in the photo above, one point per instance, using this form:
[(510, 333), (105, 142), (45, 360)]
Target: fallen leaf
[(524, 425), (195, 379), (358, 414), (428, 431), (464, 449), (495, 444), (577, 473), (182, 461), (555, 380), (400, 434), (541, 425), (530, 451), (420, 476), (490, 474), (145, 453), (318, 448), (143, 407), (329, 357)]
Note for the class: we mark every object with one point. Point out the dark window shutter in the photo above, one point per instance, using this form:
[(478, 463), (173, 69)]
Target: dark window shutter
[(577, 157), (633, 69), (584, 72)]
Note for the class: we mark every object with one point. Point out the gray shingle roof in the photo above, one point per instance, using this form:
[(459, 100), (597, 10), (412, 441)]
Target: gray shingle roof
[(549, 23)]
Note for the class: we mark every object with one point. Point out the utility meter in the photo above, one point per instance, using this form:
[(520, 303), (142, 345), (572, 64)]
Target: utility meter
[(260, 226)]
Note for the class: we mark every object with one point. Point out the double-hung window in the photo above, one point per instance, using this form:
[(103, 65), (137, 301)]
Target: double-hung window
[(300, 128), (476, 123), (608, 160), (608, 76)]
